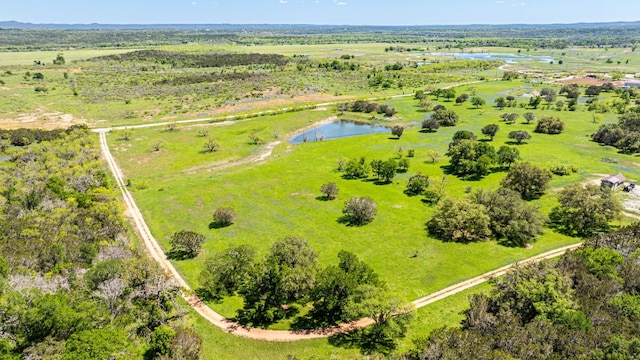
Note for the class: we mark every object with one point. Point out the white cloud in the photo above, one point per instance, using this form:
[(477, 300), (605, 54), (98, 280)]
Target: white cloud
[(282, 1), (341, 3), (194, 3), (500, 2)]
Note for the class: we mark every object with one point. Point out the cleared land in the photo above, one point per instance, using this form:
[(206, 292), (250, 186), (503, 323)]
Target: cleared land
[(273, 202)]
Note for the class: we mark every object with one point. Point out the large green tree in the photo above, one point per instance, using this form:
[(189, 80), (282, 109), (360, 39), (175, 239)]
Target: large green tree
[(527, 179), (512, 219), (226, 272), (584, 210), (460, 220)]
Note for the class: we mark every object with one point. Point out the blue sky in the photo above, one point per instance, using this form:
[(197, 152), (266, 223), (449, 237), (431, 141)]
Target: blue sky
[(341, 12)]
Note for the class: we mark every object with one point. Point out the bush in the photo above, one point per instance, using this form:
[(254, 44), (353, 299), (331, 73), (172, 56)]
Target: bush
[(359, 210), (397, 131), (224, 216), (549, 125), (330, 190), (417, 185)]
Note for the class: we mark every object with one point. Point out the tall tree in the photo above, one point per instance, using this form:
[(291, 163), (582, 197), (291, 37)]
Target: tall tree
[(527, 179), (585, 210)]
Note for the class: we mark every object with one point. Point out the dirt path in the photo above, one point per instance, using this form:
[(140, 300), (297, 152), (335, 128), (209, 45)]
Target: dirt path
[(155, 251)]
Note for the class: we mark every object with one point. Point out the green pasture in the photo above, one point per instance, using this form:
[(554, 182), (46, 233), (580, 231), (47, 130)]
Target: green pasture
[(28, 57), (281, 196)]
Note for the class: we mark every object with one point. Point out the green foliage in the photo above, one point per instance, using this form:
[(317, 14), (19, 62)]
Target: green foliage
[(397, 131), (478, 102), (330, 190), (519, 136), (186, 243), (286, 275), (601, 262), (357, 169), (103, 343), (490, 130), (223, 216), (227, 272), (460, 220), (417, 185), (468, 157), (160, 343), (445, 117), (334, 295), (507, 155), (549, 125), (585, 210), (359, 211), (511, 217), (527, 179)]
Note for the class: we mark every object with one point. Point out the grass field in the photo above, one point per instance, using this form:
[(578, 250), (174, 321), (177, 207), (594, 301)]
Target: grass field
[(28, 57), (280, 197)]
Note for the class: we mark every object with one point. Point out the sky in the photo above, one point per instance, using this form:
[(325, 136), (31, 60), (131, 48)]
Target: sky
[(320, 12)]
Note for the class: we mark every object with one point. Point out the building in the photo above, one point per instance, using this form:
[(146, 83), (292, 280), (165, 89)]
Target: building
[(613, 181)]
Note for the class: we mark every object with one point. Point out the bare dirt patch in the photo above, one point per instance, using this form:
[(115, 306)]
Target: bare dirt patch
[(585, 80)]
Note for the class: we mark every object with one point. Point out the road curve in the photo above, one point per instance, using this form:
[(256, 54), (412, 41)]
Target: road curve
[(155, 251)]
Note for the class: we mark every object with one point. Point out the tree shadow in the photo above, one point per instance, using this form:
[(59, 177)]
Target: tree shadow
[(427, 131), (206, 295), (218, 225), (310, 322), (178, 255), (323, 198), (369, 340), (515, 143), (382, 182), (393, 138), (347, 220)]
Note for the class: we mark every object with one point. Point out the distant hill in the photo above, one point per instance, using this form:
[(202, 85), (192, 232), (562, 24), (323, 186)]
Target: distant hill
[(23, 25)]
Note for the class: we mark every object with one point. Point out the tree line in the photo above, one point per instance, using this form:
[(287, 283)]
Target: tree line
[(71, 284), (585, 305)]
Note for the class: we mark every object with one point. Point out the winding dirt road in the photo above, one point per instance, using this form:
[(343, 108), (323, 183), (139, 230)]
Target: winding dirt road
[(155, 251)]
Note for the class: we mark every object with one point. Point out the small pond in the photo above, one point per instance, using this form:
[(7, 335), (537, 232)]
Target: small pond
[(337, 129), (510, 58)]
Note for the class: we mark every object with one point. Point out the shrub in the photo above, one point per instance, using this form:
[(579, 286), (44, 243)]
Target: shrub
[(330, 190), (224, 216), (359, 210)]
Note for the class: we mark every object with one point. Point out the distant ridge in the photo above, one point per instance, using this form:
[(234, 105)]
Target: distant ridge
[(23, 25)]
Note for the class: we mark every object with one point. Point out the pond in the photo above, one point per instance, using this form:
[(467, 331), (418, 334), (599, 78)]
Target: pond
[(510, 58), (337, 129)]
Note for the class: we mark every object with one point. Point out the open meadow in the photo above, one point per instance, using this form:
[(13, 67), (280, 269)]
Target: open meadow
[(280, 195)]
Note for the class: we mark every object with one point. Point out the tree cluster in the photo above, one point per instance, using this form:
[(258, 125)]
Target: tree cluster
[(501, 214), (70, 285), (470, 158), (583, 306), (364, 106), (289, 277), (625, 135)]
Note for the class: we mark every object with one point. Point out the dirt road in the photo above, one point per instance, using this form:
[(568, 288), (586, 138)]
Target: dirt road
[(155, 251)]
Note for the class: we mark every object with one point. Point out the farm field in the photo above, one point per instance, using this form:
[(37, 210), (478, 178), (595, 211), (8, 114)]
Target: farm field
[(274, 202)]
